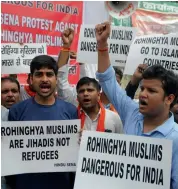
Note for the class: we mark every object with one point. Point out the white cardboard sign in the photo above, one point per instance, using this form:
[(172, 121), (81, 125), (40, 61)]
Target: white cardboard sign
[(16, 58), (108, 160), (118, 44), (153, 49), (39, 146)]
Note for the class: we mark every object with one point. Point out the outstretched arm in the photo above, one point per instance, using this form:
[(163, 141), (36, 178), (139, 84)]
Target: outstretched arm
[(67, 39), (106, 75), (65, 91)]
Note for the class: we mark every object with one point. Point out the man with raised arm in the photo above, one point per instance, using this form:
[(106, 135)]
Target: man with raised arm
[(69, 93), (152, 116)]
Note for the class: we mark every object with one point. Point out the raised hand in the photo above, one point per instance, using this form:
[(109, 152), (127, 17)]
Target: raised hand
[(102, 33), (67, 37), (137, 76)]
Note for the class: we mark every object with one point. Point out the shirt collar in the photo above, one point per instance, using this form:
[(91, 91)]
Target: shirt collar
[(81, 110), (107, 106), (167, 126), (164, 129)]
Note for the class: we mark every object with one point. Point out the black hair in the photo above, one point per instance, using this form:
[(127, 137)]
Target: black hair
[(118, 72), (88, 80), (168, 78), (12, 80), (43, 61)]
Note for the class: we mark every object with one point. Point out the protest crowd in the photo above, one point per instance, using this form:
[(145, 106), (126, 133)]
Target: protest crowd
[(99, 102)]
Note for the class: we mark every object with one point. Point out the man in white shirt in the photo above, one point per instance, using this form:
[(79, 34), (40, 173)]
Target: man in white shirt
[(65, 91), (87, 92), (92, 113)]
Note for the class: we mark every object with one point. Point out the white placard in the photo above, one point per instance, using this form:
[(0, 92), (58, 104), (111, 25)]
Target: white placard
[(16, 58), (108, 160), (39, 146), (118, 44), (153, 49)]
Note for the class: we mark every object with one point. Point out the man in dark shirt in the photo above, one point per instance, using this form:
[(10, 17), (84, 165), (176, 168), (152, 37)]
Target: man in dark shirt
[(43, 106)]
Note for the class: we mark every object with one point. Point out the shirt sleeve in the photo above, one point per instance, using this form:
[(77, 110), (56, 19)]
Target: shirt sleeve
[(117, 96), (23, 94), (65, 91), (119, 126)]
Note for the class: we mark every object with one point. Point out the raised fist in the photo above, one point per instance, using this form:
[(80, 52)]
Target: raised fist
[(67, 37), (137, 76), (102, 33)]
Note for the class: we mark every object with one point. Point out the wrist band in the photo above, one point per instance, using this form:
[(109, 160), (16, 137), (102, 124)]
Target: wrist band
[(65, 49), (102, 50)]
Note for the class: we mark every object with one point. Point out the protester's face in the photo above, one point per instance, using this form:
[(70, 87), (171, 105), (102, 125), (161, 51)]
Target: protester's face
[(152, 99), (10, 94), (44, 82), (175, 112), (88, 96)]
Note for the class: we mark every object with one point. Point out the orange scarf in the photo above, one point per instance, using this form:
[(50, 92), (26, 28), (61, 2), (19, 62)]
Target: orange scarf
[(28, 90), (101, 120)]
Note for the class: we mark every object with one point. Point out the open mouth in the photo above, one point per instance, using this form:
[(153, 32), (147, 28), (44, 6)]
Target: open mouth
[(143, 103), (86, 100), (45, 88), (10, 101)]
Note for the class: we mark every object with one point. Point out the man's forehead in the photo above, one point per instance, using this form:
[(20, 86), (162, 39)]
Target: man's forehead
[(88, 85), (44, 70), (8, 84), (151, 83)]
